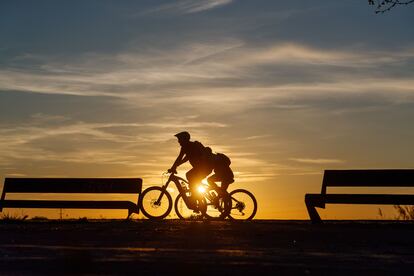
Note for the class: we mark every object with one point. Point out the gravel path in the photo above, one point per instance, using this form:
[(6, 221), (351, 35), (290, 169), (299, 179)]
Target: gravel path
[(109, 247)]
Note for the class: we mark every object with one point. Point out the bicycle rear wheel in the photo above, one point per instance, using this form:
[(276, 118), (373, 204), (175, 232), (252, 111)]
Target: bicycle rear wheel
[(154, 207), (218, 208), (243, 205), (183, 212)]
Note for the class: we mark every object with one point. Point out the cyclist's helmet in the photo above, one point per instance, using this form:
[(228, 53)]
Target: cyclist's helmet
[(183, 136)]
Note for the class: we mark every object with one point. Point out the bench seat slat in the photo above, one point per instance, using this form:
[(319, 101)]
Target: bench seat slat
[(69, 204), (319, 199), (73, 185), (369, 178)]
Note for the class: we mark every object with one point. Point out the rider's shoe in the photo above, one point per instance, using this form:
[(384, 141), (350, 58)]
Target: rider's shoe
[(195, 208), (192, 204)]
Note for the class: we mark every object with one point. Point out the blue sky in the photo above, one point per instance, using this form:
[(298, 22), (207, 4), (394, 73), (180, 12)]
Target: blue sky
[(285, 88)]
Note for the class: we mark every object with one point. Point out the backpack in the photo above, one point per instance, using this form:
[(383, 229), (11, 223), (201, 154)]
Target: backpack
[(196, 153), (223, 160), (199, 148)]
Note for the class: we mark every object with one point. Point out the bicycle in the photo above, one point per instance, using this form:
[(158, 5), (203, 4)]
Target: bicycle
[(156, 202)]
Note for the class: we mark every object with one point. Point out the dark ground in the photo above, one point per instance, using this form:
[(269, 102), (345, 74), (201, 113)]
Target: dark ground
[(200, 248)]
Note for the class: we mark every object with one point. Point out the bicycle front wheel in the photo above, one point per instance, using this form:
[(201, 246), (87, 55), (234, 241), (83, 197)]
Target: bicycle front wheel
[(155, 203), (243, 205)]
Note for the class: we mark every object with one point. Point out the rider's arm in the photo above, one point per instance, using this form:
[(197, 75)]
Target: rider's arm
[(185, 159), (182, 158)]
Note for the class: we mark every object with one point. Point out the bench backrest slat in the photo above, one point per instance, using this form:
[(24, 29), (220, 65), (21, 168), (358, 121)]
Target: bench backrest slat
[(72, 185), (367, 178)]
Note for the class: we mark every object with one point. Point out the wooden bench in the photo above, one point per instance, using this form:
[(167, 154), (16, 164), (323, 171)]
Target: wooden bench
[(72, 185), (360, 178)]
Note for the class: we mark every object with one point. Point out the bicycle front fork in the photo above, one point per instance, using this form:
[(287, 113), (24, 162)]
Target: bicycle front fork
[(163, 191)]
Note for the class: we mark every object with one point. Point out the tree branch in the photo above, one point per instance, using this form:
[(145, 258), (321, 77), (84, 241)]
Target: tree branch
[(386, 5)]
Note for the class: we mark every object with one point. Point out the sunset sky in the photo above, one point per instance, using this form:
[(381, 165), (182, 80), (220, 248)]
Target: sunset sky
[(285, 88)]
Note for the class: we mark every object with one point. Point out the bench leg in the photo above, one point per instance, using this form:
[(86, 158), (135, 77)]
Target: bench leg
[(129, 213), (313, 214)]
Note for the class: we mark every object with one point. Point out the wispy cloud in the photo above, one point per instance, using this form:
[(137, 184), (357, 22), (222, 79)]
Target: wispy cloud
[(317, 160), (218, 78), (229, 68), (188, 6), (146, 149), (82, 142), (293, 53), (256, 137)]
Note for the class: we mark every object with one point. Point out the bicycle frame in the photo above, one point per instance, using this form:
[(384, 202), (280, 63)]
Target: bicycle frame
[(176, 179)]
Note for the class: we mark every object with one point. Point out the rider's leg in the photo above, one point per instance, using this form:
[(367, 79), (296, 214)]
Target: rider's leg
[(194, 177), (226, 177), (224, 186), (212, 182)]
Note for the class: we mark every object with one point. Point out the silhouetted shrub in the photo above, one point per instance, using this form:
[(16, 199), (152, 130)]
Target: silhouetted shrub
[(13, 217), (404, 212)]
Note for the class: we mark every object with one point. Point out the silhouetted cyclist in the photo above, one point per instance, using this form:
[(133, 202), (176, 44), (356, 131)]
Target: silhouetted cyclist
[(198, 156), (222, 172)]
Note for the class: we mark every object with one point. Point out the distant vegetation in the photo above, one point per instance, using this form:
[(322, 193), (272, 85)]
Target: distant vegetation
[(83, 219), (39, 218), (12, 217), (404, 212)]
